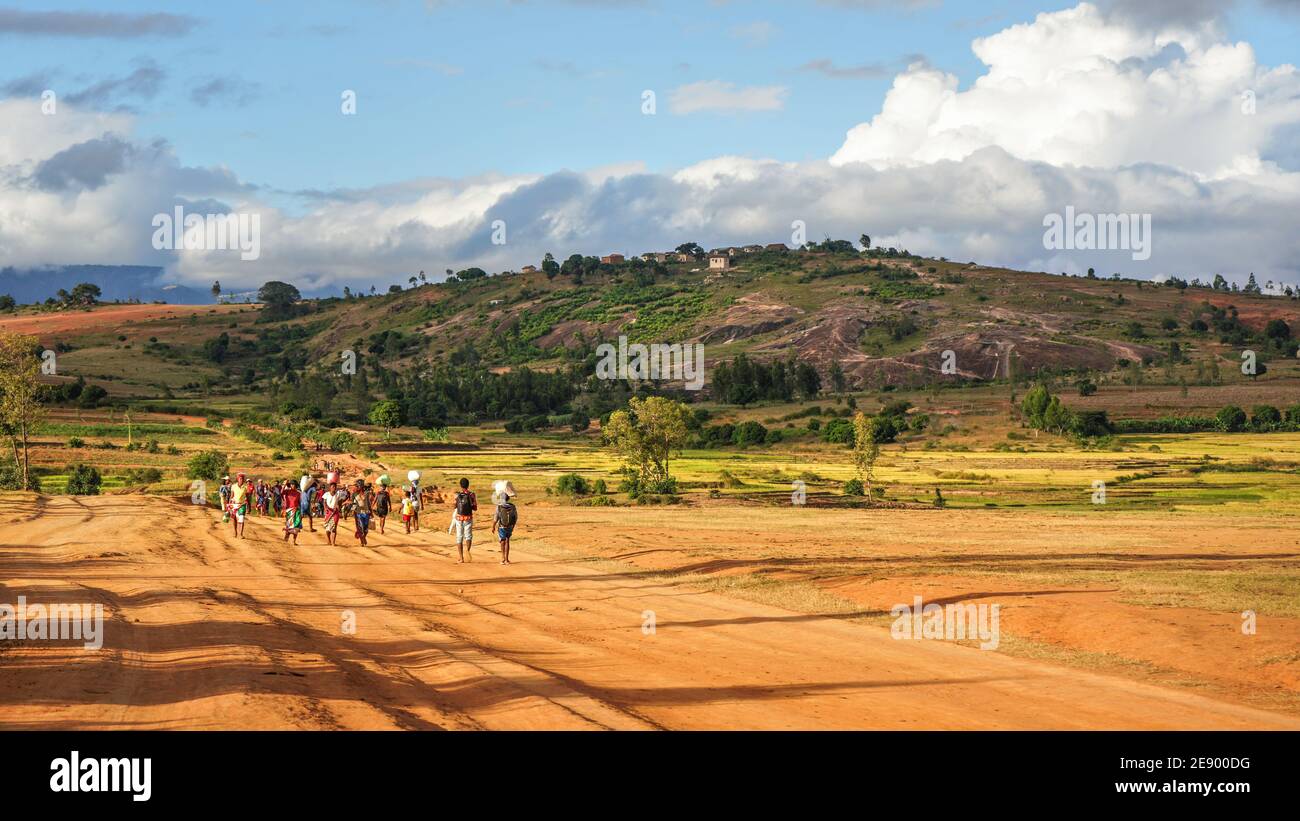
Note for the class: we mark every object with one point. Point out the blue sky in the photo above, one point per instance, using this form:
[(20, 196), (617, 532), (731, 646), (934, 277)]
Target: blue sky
[(845, 115), (465, 88)]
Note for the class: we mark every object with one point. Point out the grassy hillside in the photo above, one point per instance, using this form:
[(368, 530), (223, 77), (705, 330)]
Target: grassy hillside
[(886, 321)]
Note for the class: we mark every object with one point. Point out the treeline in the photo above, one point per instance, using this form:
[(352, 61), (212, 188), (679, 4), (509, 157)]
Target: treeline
[(1229, 419), (449, 395), (1043, 411), (743, 380)]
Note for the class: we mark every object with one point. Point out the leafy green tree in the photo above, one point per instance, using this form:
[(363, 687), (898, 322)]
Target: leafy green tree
[(645, 436), (387, 415), (21, 409), (808, 380), (278, 299), (216, 348), (1034, 406), (838, 381), (84, 295)]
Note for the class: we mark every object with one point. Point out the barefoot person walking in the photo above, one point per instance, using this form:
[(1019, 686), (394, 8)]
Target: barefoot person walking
[(331, 500), (407, 508), (462, 521), (239, 504), (383, 503), (307, 500), (292, 512), (363, 503)]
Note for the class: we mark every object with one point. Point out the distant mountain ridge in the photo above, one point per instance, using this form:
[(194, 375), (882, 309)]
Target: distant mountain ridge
[(117, 282)]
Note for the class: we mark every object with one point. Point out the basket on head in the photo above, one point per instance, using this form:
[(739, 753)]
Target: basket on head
[(413, 475), (502, 489), (384, 480)]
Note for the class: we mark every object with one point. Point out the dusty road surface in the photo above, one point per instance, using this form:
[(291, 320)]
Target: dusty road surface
[(207, 631)]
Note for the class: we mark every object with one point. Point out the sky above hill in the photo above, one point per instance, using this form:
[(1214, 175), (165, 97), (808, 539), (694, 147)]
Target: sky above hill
[(489, 132)]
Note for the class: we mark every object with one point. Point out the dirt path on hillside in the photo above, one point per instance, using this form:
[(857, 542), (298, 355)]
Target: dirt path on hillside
[(206, 631)]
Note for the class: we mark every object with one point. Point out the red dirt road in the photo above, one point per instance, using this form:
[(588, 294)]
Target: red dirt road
[(207, 631)]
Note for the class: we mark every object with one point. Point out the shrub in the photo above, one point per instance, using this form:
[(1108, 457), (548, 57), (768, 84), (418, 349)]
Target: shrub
[(599, 488), (1090, 423), (838, 432), (853, 487), (342, 441), (643, 490), (83, 480), (1231, 419), (748, 433), (210, 465), (76, 442), (142, 476), (572, 484), (1265, 418), (717, 435)]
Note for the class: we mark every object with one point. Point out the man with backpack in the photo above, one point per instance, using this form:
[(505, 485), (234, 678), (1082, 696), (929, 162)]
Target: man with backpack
[(505, 518), (462, 520)]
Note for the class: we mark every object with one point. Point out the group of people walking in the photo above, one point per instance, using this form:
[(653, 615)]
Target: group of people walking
[(367, 503)]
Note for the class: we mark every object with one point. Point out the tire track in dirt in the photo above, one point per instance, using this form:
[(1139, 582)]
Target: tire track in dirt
[(502, 673), (248, 634)]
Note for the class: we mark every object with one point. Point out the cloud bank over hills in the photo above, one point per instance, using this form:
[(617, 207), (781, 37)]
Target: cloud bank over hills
[(1100, 109)]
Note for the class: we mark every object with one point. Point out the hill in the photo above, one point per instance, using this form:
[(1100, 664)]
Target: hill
[(885, 318)]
